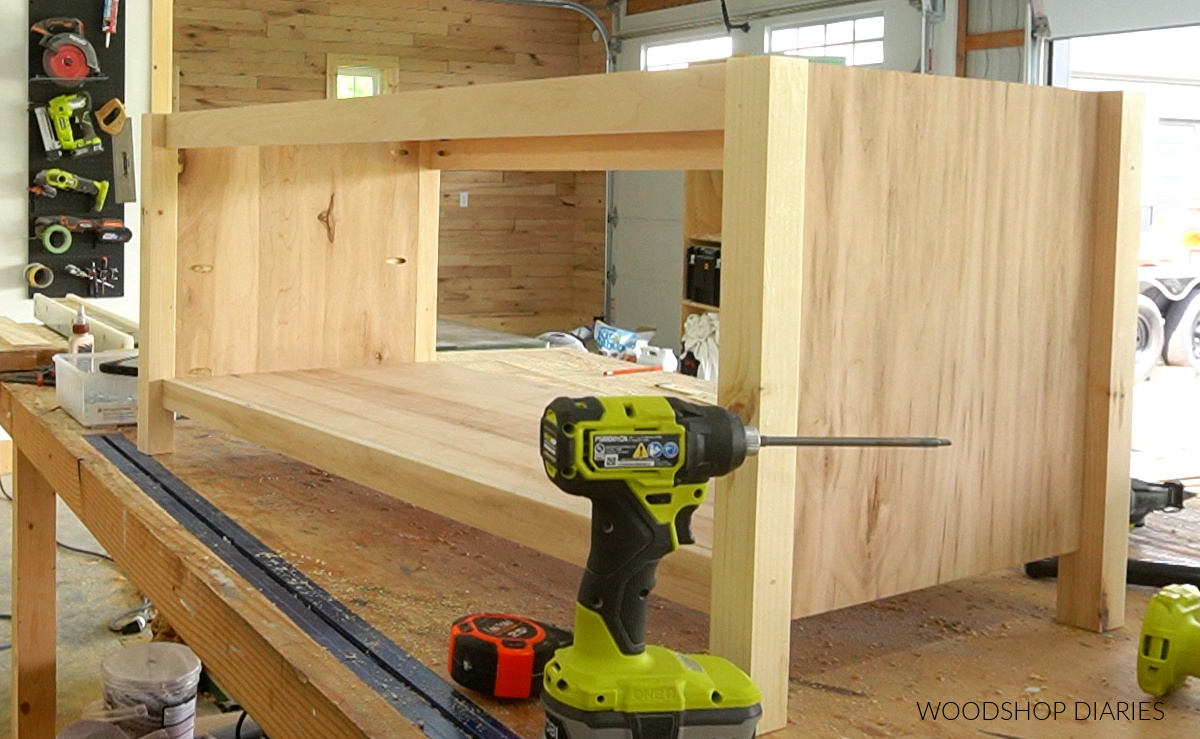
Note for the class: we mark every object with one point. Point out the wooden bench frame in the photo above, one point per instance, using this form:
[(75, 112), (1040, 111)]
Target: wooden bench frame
[(799, 144)]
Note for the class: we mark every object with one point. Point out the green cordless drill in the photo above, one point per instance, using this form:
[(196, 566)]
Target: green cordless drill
[(645, 462)]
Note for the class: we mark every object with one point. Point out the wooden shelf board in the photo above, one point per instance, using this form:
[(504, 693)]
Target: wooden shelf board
[(457, 440), (705, 239)]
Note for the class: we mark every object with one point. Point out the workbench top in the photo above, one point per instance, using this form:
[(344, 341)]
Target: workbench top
[(854, 673)]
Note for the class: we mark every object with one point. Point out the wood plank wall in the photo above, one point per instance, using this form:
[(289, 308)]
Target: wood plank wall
[(527, 254)]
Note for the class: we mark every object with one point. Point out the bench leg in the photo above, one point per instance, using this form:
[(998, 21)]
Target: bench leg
[(762, 273), (34, 617)]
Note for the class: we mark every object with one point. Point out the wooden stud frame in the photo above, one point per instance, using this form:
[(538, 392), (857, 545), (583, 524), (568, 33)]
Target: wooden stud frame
[(903, 255)]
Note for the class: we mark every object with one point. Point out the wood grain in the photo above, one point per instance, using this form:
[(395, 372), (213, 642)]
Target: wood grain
[(584, 153), (229, 624), (1091, 582), (762, 268), (34, 612), (627, 102), (266, 284), (933, 306), (158, 287), (436, 435), (241, 52), (163, 76)]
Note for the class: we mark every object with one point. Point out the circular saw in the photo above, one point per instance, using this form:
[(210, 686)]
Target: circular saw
[(69, 57)]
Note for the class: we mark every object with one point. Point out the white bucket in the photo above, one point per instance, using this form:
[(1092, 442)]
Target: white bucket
[(162, 677)]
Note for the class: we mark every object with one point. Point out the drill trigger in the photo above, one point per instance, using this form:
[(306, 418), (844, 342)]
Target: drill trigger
[(683, 524)]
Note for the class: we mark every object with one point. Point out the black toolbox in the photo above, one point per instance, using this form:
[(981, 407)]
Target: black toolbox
[(704, 274)]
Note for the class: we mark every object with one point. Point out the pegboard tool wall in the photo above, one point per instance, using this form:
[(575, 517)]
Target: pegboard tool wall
[(85, 248)]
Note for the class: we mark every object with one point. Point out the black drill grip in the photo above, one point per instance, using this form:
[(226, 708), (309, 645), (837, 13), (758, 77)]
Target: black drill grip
[(627, 544)]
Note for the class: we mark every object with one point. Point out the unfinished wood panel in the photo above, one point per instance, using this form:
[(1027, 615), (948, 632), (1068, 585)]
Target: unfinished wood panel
[(163, 76), (1091, 584), (432, 434), (237, 52), (34, 619), (316, 261), (624, 102), (158, 286), (702, 198), (762, 266), (948, 268)]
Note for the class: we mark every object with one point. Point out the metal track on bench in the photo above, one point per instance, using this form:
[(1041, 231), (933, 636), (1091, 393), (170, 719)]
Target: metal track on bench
[(415, 691)]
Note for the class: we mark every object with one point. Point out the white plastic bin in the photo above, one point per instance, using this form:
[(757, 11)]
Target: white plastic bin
[(92, 397)]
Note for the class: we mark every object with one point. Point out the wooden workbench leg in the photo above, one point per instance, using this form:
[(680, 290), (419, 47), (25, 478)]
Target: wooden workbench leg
[(428, 216), (1091, 581), (762, 274), (34, 624), (160, 230)]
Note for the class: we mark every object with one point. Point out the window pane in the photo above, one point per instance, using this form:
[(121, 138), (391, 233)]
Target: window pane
[(810, 36), (364, 87), (869, 53), (783, 39), (345, 86), (812, 51), (846, 51), (678, 55), (866, 29), (839, 33)]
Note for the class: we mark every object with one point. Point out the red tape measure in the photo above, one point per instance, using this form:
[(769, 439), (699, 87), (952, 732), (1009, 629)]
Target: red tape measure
[(503, 655)]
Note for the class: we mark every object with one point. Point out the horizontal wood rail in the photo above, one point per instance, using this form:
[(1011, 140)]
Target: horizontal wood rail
[(644, 151), (680, 100), (995, 40)]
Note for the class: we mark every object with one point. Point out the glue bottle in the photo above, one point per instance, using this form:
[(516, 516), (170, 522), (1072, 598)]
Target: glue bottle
[(81, 335)]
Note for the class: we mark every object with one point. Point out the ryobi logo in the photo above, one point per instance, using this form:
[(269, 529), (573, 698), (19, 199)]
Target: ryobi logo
[(653, 694)]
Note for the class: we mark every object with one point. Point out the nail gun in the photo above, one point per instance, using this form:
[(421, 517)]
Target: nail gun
[(65, 123)]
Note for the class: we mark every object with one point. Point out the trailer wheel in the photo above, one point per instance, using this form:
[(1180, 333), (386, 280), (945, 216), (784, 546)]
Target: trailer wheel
[(1183, 333), (1149, 338)]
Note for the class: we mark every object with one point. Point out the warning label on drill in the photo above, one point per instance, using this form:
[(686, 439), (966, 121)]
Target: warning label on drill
[(614, 451)]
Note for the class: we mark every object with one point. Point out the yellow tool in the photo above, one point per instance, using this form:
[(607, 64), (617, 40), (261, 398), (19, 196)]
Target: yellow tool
[(1169, 650), (645, 463)]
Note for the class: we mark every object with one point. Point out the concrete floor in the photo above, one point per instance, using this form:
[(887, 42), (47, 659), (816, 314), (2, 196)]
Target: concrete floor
[(91, 591)]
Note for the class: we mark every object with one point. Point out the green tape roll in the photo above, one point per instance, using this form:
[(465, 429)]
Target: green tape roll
[(48, 238)]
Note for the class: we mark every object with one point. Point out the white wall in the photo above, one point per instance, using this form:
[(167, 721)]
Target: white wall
[(14, 147), (1090, 17), (648, 243)]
